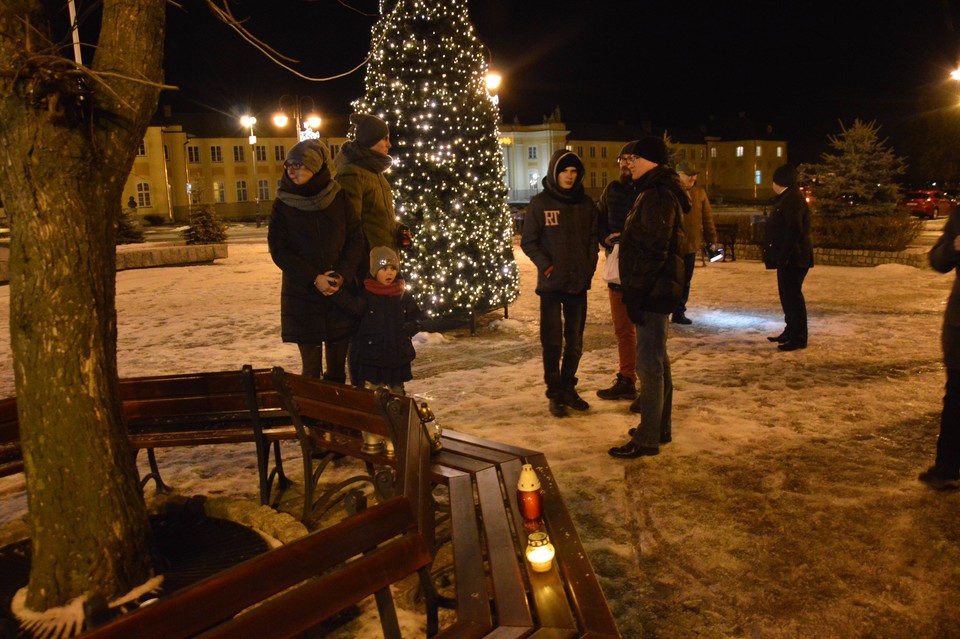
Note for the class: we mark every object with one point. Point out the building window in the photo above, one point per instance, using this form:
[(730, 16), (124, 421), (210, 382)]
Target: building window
[(779, 151), (593, 179), (143, 195), (533, 180), (142, 149), (701, 154), (757, 177), (739, 151), (603, 179), (603, 152), (593, 152), (682, 154), (241, 190), (260, 152), (216, 153), (263, 189), (759, 151), (238, 153), (279, 153), (219, 193), (713, 152), (193, 154), (334, 150), (166, 153), (531, 153)]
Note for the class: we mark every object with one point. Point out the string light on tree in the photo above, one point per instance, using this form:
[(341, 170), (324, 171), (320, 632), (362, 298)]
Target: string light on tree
[(428, 81)]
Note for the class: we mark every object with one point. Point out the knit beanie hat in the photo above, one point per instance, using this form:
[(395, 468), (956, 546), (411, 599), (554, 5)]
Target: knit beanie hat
[(312, 154), (785, 176), (649, 148), (381, 256), (686, 167), (568, 160), (368, 129)]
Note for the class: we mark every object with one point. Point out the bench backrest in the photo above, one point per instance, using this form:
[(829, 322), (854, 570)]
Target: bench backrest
[(11, 456)]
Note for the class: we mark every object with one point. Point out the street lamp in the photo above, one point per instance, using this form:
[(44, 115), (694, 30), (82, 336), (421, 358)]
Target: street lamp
[(248, 121), (307, 127)]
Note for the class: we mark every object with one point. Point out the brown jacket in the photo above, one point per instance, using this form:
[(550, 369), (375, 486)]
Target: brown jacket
[(698, 223)]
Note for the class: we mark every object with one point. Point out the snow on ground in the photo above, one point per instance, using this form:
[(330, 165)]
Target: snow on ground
[(868, 386)]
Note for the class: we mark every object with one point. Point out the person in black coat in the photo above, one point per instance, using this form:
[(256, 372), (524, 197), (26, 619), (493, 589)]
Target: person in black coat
[(787, 248), (945, 257), (560, 238), (314, 236), (381, 350)]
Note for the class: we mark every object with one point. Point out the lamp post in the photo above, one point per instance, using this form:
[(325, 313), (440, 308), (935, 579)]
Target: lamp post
[(248, 121), (307, 127)]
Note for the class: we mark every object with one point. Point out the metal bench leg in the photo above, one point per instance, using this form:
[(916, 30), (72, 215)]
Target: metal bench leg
[(388, 614), (154, 474)]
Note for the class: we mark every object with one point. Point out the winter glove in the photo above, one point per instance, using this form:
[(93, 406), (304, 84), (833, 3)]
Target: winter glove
[(404, 237)]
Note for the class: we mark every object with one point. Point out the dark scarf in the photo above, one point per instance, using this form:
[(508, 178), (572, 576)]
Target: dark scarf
[(353, 153), (314, 195), (376, 288)]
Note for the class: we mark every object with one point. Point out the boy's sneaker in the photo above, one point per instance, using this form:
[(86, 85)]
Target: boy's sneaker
[(623, 388), (936, 477), (557, 407)]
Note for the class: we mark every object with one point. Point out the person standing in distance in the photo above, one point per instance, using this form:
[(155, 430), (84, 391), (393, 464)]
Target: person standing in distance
[(652, 275), (560, 238), (697, 227), (788, 249), (360, 166), (945, 257), (614, 204)]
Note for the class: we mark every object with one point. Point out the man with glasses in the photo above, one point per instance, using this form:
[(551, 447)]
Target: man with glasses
[(615, 203)]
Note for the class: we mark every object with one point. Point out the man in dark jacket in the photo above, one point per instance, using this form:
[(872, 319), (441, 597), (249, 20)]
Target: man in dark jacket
[(787, 248), (560, 238), (615, 203), (652, 275), (945, 257)]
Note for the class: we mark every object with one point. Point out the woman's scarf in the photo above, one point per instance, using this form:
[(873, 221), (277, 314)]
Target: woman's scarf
[(353, 153), (314, 195)]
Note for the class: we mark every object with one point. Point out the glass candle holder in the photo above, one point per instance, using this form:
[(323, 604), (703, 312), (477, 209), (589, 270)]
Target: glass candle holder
[(540, 552)]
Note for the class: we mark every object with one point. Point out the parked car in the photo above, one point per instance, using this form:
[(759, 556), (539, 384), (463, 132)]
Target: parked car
[(931, 204)]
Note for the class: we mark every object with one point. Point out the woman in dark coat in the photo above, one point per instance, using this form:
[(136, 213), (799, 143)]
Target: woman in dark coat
[(314, 236), (788, 249)]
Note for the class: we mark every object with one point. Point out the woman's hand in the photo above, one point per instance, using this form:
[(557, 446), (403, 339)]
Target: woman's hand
[(328, 283)]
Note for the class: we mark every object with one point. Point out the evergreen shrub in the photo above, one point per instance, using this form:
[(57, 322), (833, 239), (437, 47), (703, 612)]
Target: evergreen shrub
[(205, 227)]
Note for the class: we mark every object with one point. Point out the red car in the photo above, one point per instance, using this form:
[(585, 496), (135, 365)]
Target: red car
[(931, 204)]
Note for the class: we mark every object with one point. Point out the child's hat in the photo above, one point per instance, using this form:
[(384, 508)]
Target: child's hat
[(381, 256)]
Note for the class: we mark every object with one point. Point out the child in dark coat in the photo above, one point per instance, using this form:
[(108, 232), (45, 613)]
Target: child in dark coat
[(382, 349)]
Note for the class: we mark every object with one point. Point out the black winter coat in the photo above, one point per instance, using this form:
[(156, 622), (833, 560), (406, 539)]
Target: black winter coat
[(560, 231), (787, 234), (305, 244), (652, 271), (387, 322), (944, 258)]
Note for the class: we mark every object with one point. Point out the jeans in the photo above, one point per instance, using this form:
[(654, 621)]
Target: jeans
[(656, 385), (626, 334), (790, 286), (562, 319), (948, 443), (689, 263)]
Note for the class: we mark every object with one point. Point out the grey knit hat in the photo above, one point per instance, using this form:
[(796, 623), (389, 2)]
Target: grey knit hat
[(312, 154), (381, 256), (368, 129)]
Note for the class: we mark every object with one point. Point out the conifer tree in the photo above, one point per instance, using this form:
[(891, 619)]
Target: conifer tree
[(427, 80), (859, 172)]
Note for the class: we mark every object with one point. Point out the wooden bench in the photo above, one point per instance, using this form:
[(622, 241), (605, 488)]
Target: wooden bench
[(188, 410), (727, 237), (292, 589), (497, 594)]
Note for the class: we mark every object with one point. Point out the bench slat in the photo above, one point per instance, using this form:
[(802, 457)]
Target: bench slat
[(473, 600)]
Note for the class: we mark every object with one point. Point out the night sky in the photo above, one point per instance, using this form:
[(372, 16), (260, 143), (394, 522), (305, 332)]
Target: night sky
[(799, 66)]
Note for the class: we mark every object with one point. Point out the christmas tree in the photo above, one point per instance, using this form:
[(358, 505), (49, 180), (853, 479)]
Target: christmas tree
[(427, 80)]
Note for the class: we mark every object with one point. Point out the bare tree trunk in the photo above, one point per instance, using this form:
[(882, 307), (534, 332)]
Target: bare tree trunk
[(67, 142)]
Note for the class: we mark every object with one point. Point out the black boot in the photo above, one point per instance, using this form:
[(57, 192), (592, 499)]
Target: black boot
[(557, 407), (574, 401), (623, 388)]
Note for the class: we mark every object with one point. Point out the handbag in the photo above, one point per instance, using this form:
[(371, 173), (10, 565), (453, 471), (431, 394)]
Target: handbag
[(611, 268)]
